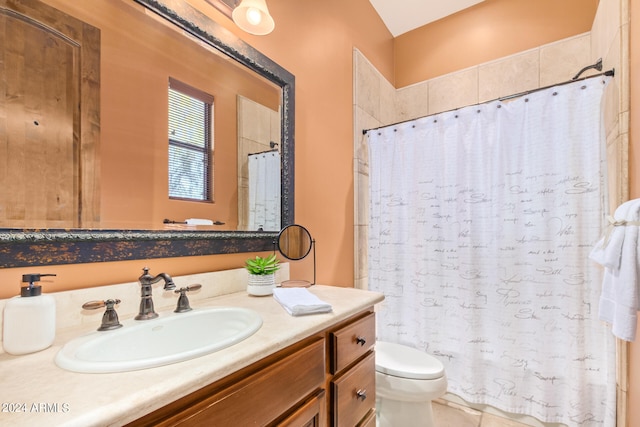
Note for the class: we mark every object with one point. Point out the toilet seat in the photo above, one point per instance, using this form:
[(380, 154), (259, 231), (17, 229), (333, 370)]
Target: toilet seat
[(406, 362)]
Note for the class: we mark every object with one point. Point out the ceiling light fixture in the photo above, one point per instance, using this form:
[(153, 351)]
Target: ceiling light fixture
[(253, 17)]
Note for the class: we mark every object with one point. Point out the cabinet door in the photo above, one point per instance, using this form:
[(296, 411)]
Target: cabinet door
[(310, 414), (354, 393)]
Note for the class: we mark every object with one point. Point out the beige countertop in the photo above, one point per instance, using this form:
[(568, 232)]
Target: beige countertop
[(34, 391)]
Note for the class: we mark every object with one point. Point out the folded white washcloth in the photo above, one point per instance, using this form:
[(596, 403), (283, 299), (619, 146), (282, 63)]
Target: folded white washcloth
[(299, 301)]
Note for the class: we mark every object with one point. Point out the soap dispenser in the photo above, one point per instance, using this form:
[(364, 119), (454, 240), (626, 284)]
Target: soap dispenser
[(29, 319)]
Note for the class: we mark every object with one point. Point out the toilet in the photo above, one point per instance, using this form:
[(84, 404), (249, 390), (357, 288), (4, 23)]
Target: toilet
[(407, 380)]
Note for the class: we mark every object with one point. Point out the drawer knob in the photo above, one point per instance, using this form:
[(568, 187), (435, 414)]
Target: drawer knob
[(361, 395), (361, 341)]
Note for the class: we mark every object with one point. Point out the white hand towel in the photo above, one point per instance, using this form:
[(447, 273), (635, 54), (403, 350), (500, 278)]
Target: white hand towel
[(608, 250), (620, 298), (621, 315), (299, 301)]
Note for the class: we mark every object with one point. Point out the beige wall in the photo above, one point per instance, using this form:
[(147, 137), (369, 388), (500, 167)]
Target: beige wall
[(491, 29), (315, 43)]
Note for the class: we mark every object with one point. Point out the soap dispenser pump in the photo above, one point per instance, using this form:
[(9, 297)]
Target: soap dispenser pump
[(29, 323)]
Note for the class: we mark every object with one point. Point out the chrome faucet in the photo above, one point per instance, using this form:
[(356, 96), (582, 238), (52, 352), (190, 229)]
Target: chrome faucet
[(146, 302)]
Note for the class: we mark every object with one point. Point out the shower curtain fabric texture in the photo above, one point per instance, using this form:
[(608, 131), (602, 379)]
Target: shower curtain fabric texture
[(481, 224), (264, 191)]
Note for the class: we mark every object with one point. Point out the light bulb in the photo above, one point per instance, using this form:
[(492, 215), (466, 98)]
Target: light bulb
[(254, 16)]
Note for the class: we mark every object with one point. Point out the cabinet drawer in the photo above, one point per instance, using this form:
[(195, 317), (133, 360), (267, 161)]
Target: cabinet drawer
[(261, 398), (354, 393), (351, 342)]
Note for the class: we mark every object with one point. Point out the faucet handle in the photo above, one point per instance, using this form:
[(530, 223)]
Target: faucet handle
[(94, 305), (183, 301), (110, 317)]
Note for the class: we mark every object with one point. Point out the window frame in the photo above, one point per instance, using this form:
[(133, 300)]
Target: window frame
[(207, 150)]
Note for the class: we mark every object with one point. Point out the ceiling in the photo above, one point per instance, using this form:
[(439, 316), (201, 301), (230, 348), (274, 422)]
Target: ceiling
[(401, 16)]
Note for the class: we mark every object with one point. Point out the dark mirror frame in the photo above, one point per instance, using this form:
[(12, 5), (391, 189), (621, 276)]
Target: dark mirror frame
[(21, 248)]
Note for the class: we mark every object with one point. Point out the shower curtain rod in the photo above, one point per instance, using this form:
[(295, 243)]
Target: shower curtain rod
[(610, 72)]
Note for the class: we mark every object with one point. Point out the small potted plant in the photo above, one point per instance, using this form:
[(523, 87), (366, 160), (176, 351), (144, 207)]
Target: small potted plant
[(262, 274)]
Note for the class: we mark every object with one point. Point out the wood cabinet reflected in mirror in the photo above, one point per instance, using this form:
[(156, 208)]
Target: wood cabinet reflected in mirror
[(50, 119), (172, 39)]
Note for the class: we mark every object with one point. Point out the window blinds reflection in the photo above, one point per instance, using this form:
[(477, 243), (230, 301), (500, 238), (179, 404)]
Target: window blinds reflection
[(190, 143)]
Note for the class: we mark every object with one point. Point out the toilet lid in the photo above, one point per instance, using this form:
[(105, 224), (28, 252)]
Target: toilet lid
[(406, 362)]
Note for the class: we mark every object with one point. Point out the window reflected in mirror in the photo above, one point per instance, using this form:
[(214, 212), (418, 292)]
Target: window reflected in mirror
[(190, 143)]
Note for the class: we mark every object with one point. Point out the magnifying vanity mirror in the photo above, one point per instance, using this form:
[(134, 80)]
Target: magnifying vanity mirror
[(295, 243), (106, 233)]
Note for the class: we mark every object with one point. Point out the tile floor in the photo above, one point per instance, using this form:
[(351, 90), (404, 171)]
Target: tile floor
[(449, 414)]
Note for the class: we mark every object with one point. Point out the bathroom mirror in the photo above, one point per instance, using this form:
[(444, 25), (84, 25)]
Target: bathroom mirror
[(295, 242), (42, 246)]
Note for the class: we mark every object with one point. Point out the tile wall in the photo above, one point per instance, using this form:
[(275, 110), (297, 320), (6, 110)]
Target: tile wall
[(378, 103), (257, 127)]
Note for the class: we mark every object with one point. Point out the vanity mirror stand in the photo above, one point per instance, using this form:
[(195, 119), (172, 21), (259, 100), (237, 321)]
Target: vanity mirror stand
[(294, 243)]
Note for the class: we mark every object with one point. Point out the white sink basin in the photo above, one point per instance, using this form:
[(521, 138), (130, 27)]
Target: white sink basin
[(170, 338)]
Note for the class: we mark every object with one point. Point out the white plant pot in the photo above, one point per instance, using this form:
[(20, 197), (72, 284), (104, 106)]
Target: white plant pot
[(261, 285)]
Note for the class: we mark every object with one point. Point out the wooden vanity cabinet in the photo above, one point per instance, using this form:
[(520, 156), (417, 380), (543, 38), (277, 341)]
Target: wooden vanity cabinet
[(351, 368), (327, 379)]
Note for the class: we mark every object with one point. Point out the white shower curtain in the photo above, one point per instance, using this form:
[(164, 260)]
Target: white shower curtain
[(264, 191), (481, 221)]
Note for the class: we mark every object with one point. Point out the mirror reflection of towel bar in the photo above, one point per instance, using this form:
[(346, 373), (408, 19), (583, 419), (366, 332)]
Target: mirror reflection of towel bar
[(170, 221)]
